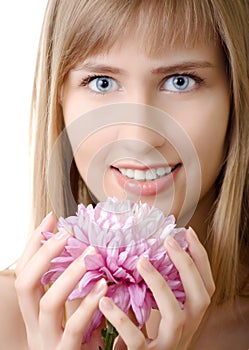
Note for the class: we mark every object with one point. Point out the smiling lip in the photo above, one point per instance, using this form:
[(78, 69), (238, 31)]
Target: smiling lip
[(148, 187)]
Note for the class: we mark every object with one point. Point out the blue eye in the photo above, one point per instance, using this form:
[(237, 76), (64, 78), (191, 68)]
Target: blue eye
[(178, 83), (102, 84)]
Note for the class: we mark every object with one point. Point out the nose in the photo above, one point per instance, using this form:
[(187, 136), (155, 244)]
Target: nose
[(142, 129), (143, 134)]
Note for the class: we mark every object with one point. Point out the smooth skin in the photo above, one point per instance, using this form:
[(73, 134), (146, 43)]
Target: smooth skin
[(135, 82), (180, 324), (43, 312), (200, 106)]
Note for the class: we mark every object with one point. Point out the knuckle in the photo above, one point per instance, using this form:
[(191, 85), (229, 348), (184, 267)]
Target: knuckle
[(18, 284), (177, 323), (204, 303), (139, 342), (207, 300), (161, 284), (211, 288), (49, 246), (180, 322), (189, 261), (136, 342), (18, 268), (202, 254), (44, 305), (55, 241), (90, 302), (72, 328), (122, 320), (21, 286), (47, 304)]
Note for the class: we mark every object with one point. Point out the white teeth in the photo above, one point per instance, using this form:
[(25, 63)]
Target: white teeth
[(139, 175), (151, 174), (163, 171), (146, 175), (123, 171), (130, 173)]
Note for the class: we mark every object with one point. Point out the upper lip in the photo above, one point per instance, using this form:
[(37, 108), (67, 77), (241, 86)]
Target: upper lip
[(142, 166)]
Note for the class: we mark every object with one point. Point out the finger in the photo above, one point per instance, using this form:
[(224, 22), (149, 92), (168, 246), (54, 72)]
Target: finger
[(78, 322), (197, 297), (172, 316), (41, 260), (131, 335), (34, 242), (53, 302), (200, 257), (28, 285)]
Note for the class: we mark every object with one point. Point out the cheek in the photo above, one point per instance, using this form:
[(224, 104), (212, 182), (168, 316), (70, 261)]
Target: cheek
[(73, 102), (92, 154), (208, 136)]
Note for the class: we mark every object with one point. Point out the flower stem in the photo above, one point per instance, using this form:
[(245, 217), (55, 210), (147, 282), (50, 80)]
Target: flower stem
[(109, 334)]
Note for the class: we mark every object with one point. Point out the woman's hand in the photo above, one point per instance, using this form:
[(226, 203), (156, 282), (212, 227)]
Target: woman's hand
[(43, 312), (177, 326)]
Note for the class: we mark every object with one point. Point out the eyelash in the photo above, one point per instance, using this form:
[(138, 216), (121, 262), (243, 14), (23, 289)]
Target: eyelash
[(89, 78), (192, 75)]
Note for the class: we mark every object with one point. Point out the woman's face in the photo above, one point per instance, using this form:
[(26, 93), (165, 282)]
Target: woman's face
[(151, 128)]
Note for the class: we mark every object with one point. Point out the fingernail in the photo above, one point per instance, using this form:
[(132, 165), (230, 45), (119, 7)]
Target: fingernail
[(145, 264), (46, 217), (62, 234), (99, 286), (88, 251), (193, 234), (106, 304), (172, 243)]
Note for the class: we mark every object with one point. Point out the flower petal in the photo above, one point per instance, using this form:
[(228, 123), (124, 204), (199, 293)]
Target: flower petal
[(93, 324), (139, 306), (94, 262), (120, 295), (121, 232)]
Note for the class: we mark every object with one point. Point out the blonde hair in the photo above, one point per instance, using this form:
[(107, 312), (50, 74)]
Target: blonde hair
[(74, 29)]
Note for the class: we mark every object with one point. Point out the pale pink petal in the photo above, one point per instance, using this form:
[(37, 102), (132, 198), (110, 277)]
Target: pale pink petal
[(120, 295), (94, 323), (89, 276), (123, 274), (109, 275), (52, 275), (94, 262), (130, 263), (62, 260), (121, 232), (137, 295)]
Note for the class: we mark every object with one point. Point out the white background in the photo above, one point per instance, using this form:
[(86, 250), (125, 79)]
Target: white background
[(20, 24)]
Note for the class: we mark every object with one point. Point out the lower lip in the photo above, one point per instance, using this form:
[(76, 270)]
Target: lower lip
[(146, 188)]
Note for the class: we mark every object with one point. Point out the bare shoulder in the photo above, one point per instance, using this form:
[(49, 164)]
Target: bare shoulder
[(12, 333), (227, 328)]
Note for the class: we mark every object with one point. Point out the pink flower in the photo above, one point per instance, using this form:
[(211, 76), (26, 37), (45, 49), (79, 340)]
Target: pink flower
[(121, 232)]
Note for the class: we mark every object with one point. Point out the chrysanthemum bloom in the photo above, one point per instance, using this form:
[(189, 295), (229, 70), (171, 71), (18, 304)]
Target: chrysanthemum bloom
[(121, 232)]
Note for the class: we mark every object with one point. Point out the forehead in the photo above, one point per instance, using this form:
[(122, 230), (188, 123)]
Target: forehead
[(125, 56), (154, 25)]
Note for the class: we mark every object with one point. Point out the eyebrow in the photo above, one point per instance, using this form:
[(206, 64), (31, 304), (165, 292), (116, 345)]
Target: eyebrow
[(178, 67), (183, 66), (101, 68)]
